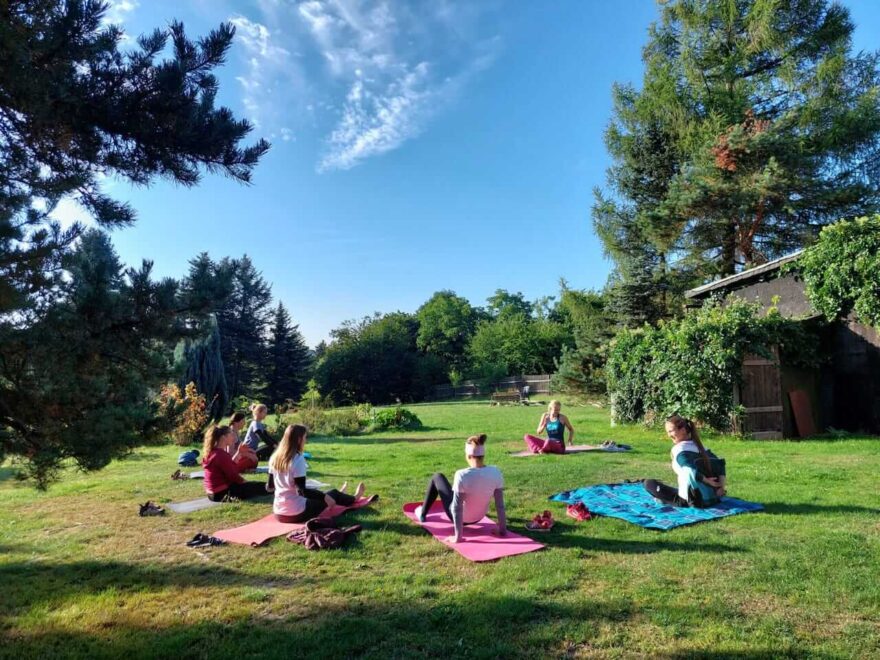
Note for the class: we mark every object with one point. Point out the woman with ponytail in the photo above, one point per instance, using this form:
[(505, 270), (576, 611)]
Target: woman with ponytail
[(701, 475), (222, 475), (466, 501)]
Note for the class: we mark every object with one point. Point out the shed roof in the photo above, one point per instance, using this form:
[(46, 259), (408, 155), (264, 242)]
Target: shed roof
[(743, 277)]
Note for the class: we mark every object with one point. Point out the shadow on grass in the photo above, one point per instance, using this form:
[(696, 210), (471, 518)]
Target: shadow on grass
[(805, 509), (138, 456), (564, 539), (432, 626), (31, 583)]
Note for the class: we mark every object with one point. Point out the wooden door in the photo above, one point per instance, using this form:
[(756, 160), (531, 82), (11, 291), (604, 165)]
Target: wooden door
[(761, 395)]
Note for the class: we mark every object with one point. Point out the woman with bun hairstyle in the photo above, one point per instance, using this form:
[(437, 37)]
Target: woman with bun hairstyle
[(554, 423), (257, 431), (466, 500), (701, 475)]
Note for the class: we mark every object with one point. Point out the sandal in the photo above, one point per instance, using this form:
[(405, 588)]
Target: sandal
[(151, 509), (543, 522), (177, 475)]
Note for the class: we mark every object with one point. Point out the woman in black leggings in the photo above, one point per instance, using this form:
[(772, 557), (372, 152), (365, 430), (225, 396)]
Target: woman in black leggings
[(294, 502)]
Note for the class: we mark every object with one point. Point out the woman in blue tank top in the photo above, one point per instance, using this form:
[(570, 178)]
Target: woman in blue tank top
[(554, 423)]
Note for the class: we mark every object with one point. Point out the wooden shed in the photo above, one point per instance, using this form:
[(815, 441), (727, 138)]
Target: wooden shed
[(844, 393)]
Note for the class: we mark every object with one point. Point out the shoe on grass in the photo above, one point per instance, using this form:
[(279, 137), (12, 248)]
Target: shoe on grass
[(151, 509), (419, 513)]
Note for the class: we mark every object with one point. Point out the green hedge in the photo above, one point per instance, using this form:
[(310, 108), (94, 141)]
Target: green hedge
[(690, 366)]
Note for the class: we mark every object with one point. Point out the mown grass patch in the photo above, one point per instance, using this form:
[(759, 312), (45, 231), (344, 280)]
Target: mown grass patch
[(84, 576)]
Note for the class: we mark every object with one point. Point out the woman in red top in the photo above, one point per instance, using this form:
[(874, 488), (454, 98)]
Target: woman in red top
[(222, 475)]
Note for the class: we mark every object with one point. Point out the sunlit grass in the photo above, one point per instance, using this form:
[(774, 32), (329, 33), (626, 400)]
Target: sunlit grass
[(83, 575)]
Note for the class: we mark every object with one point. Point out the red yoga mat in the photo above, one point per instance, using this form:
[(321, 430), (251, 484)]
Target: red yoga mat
[(478, 542), (268, 527)]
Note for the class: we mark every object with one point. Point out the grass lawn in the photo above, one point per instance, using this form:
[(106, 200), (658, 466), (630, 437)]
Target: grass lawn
[(82, 575)]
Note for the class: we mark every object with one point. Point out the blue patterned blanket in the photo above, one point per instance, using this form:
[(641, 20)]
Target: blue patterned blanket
[(630, 501)]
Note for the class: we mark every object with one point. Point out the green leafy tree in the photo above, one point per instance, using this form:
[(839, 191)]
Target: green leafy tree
[(580, 368), (842, 270), (289, 360), (81, 340), (515, 344), (446, 324), (376, 360), (503, 304)]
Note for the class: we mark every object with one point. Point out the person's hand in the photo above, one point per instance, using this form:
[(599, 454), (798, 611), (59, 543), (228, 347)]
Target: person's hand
[(715, 482), (499, 532)]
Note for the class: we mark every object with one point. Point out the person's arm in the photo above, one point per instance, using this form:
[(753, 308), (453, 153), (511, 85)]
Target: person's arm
[(570, 429), (263, 434), (499, 509), (228, 467), (689, 462), (457, 514), (543, 424)]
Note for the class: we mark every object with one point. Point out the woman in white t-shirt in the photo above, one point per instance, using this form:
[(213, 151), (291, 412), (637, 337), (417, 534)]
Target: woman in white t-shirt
[(466, 501), (294, 503)]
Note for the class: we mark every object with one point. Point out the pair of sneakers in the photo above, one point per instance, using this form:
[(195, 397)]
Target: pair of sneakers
[(204, 541), (578, 511), (543, 522), (150, 508)]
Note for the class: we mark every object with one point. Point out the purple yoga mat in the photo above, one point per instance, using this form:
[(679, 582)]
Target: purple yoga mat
[(478, 543)]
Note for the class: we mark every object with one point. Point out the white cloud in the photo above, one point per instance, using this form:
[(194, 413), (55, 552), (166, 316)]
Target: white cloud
[(118, 11), (366, 74), (398, 69)]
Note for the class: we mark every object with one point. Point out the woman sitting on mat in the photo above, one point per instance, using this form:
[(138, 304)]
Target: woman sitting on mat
[(466, 501), (236, 423), (257, 431), (555, 423), (701, 475), (222, 475), (294, 503)]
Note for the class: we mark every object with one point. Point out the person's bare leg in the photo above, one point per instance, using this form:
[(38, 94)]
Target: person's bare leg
[(359, 491), (343, 487)]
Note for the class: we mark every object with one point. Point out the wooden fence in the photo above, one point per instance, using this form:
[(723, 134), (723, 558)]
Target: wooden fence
[(537, 384)]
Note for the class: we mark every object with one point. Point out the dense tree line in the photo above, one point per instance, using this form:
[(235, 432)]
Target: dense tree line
[(403, 356)]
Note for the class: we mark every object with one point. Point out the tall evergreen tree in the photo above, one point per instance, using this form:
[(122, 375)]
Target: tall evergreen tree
[(244, 327), (203, 365), (289, 360), (83, 341), (770, 124)]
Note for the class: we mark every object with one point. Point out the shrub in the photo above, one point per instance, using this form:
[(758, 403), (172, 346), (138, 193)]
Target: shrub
[(395, 418), (691, 366), (364, 413), (185, 412), (841, 270), (339, 422)]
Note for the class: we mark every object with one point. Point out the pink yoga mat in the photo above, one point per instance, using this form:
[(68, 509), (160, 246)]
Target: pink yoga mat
[(478, 542), (575, 449), (268, 527)]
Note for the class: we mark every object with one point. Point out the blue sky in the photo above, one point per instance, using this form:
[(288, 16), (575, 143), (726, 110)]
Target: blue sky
[(417, 146)]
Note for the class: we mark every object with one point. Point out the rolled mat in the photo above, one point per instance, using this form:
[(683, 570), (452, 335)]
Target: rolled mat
[(268, 527), (478, 542), (576, 449)]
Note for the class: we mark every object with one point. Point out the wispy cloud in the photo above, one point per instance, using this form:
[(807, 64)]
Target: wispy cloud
[(366, 74)]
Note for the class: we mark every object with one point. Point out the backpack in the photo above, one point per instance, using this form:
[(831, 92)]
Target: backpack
[(188, 458)]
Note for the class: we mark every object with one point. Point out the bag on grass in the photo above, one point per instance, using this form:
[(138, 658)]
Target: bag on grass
[(322, 534), (188, 458)]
